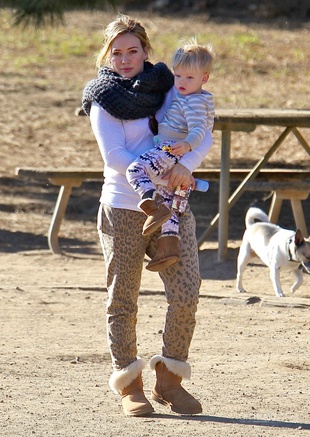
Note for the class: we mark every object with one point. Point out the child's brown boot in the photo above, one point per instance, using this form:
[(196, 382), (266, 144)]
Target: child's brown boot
[(157, 213), (167, 253)]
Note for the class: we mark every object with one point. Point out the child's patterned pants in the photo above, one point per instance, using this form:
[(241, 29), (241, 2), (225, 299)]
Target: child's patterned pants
[(140, 174)]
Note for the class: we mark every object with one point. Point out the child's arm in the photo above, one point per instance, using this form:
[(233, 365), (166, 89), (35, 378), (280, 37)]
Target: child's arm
[(199, 117), (193, 159)]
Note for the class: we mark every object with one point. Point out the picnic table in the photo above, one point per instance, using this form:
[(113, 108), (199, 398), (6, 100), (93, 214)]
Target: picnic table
[(229, 120), (292, 184)]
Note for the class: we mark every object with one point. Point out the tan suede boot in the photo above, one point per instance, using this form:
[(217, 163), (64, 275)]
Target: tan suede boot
[(168, 391), (128, 383), (133, 399), (166, 255), (157, 213)]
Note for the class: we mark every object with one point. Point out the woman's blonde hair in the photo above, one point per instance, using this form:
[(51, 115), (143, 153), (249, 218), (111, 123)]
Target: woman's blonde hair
[(121, 25), (194, 55)]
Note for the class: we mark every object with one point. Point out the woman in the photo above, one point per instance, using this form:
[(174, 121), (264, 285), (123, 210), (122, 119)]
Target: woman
[(122, 104)]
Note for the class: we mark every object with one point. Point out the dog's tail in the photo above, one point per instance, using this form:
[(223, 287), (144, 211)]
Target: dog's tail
[(255, 215)]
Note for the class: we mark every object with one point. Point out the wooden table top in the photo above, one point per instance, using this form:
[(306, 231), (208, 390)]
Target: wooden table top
[(264, 116)]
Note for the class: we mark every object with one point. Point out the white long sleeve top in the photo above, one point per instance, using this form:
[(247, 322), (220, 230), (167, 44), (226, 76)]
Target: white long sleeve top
[(121, 141)]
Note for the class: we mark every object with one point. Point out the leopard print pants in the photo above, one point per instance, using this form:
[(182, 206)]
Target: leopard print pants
[(124, 248)]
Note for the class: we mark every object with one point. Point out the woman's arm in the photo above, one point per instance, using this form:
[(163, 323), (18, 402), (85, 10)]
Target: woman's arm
[(110, 135)]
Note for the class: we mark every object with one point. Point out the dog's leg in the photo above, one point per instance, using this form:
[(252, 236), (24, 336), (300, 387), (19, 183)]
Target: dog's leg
[(244, 257), (275, 278), (299, 279)]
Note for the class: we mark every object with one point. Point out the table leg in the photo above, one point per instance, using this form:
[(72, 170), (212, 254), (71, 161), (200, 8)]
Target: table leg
[(224, 195), (59, 210), (295, 197), (275, 208), (299, 217)]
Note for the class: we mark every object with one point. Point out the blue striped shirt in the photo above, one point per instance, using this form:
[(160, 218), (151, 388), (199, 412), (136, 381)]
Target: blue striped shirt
[(188, 118)]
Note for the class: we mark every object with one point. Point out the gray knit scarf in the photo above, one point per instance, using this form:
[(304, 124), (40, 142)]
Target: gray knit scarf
[(129, 99)]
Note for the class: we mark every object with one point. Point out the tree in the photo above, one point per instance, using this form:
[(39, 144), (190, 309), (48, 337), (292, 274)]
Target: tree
[(43, 12)]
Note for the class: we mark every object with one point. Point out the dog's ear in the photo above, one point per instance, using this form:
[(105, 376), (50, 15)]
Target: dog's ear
[(299, 239)]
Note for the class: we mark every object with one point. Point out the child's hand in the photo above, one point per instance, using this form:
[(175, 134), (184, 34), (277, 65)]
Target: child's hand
[(180, 148)]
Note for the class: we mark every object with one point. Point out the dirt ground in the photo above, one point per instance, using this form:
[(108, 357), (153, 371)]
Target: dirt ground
[(250, 352)]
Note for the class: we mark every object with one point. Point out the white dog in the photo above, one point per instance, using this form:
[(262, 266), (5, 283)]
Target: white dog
[(276, 247)]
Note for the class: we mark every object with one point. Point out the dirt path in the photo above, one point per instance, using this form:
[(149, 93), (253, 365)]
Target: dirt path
[(250, 362), (250, 357)]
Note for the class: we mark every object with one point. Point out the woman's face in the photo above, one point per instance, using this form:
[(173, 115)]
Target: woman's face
[(127, 55)]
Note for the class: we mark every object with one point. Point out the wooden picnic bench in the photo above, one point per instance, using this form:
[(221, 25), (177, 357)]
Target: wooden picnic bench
[(247, 120), (66, 179), (284, 183)]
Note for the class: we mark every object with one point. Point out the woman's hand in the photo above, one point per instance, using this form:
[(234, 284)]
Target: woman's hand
[(179, 176)]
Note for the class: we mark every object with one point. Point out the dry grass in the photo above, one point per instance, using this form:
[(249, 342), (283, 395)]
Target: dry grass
[(43, 74)]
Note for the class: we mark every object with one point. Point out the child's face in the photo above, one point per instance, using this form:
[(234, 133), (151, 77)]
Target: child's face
[(189, 80)]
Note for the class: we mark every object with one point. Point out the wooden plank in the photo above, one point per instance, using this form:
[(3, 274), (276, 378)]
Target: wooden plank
[(240, 119), (256, 114), (264, 116), (48, 173), (292, 186), (264, 174)]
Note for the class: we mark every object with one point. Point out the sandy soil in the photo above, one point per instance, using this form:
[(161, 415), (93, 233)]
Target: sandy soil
[(250, 352), (250, 357)]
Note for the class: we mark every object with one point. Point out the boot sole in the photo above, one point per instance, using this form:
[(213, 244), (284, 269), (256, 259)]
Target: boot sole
[(140, 413), (162, 401)]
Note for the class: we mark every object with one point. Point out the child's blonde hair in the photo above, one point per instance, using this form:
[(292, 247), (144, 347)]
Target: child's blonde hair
[(194, 55), (121, 25)]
